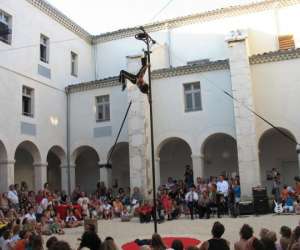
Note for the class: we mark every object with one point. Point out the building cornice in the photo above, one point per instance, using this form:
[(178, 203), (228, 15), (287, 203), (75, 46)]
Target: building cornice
[(275, 56), (156, 74), (197, 18), (58, 16), (157, 26)]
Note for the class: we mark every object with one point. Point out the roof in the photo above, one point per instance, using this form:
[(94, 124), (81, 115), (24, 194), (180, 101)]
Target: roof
[(269, 57), (167, 24)]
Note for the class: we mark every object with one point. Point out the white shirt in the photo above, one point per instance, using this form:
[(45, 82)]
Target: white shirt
[(30, 217), (191, 196), (13, 197), (222, 187)]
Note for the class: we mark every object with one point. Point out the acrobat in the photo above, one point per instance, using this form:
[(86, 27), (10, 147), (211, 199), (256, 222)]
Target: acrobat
[(137, 79)]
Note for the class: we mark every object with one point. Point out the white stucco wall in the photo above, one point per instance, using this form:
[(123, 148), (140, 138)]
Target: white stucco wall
[(276, 94)]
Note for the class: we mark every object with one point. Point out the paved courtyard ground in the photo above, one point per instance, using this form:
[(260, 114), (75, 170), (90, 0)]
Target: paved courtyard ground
[(124, 232)]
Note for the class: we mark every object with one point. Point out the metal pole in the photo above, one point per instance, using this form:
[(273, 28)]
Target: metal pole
[(68, 141), (152, 139)]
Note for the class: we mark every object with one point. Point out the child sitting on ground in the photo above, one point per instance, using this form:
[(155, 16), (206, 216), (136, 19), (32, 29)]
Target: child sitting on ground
[(71, 220)]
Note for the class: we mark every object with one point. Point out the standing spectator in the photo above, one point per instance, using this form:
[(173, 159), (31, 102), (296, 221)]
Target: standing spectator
[(222, 193), (191, 199), (246, 233), (216, 242), (276, 188), (13, 197), (188, 176)]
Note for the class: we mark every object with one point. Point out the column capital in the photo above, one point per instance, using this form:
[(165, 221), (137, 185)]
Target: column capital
[(194, 156), (40, 165), (7, 162), (66, 166), (236, 36)]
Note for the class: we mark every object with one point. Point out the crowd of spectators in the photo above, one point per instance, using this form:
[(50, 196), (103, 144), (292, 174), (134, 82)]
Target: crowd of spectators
[(26, 215)]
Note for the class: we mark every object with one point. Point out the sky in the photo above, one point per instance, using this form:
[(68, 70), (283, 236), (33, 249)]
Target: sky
[(100, 16)]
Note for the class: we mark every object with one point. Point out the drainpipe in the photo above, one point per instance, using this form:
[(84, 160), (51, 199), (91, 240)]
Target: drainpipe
[(68, 141)]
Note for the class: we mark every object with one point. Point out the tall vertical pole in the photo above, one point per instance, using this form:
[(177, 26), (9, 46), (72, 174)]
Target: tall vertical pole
[(152, 137), (68, 141)]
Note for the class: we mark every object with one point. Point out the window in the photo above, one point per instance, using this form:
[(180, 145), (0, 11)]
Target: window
[(44, 49), (74, 64), (286, 42), (192, 96), (27, 101), (102, 108), (5, 27)]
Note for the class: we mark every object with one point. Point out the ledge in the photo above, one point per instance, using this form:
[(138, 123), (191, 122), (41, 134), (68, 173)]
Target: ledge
[(275, 56), (156, 74)]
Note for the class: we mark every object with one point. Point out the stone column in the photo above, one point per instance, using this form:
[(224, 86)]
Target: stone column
[(105, 175), (40, 175), (298, 153), (198, 166), (244, 120), (65, 177), (157, 172), (139, 136), (7, 169)]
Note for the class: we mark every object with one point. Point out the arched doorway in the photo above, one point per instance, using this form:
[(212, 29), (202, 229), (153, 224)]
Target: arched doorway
[(3, 160), (120, 166), (220, 155), (26, 156), (56, 156), (277, 151), (174, 154), (87, 172)]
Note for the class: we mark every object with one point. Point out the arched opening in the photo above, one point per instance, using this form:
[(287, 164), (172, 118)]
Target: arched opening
[(120, 166), (277, 151), (87, 172), (220, 155), (3, 160), (56, 156), (174, 155), (26, 155)]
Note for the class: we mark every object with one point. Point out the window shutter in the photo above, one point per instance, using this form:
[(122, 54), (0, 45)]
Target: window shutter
[(286, 42)]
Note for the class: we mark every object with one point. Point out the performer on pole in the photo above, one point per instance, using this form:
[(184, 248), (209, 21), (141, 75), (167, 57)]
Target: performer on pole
[(137, 79)]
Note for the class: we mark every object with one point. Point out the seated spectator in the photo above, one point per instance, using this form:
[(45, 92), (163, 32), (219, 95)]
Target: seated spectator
[(5, 240), (177, 245), (125, 215), (117, 207), (109, 244), (51, 241), (216, 242), (246, 233), (145, 212), (30, 215), (90, 240), (157, 242), (23, 241), (285, 239), (107, 210), (269, 241), (289, 204), (295, 238), (61, 245), (71, 220)]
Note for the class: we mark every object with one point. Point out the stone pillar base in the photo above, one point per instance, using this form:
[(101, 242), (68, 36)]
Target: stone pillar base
[(7, 170), (40, 176)]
